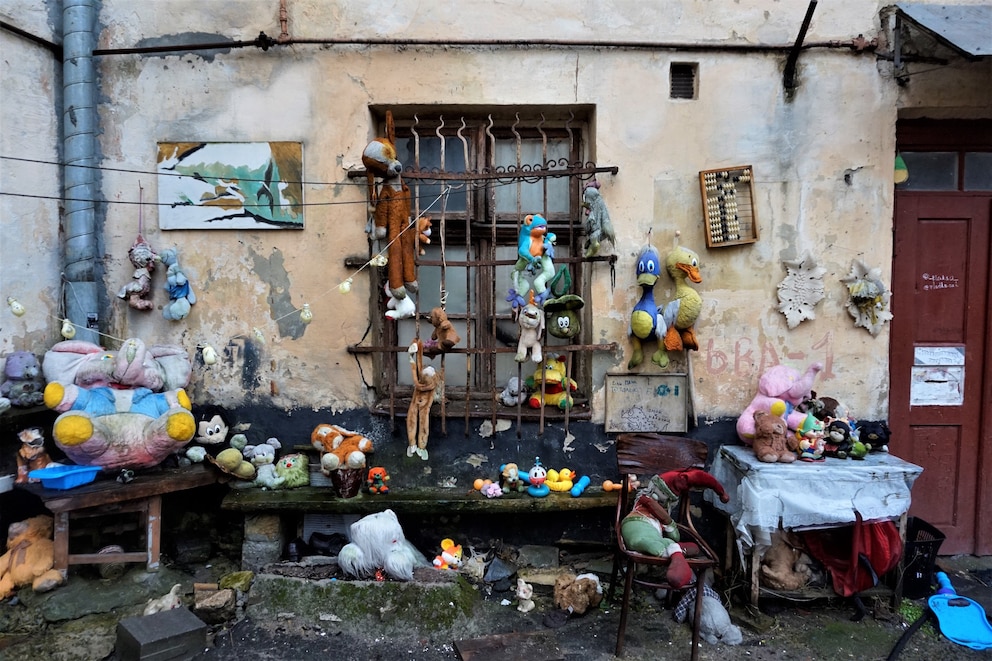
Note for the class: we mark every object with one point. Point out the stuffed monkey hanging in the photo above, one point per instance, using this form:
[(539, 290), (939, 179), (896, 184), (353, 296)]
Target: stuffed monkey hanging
[(391, 214), (425, 385)]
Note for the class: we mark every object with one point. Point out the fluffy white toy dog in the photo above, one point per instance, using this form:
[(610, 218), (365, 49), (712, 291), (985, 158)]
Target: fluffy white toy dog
[(377, 542)]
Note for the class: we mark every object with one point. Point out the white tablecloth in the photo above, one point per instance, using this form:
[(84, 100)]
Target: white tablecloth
[(804, 495)]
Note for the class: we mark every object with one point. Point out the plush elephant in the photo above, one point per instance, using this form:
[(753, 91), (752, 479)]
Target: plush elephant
[(134, 365), (779, 383)]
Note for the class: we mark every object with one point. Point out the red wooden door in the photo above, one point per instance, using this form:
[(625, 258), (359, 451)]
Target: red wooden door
[(940, 339)]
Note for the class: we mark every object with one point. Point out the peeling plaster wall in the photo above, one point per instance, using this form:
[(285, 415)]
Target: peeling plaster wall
[(30, 258), (822, 164)]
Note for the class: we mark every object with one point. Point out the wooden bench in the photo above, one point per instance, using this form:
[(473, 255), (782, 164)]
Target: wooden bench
[(410, 501), (143, 495)]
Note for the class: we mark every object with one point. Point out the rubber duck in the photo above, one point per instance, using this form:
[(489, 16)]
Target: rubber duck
[(646, 322), (559, 480)]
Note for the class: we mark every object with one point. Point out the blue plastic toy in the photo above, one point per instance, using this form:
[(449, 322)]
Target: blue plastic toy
[(962, 620)]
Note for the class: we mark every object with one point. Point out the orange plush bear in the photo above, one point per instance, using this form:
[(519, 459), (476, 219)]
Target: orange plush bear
[(341, 448), (30, 557)]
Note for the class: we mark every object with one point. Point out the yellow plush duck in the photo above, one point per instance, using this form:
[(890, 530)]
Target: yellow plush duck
[(682, 312)]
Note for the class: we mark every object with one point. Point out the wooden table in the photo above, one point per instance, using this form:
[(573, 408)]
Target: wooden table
[(106, 496)]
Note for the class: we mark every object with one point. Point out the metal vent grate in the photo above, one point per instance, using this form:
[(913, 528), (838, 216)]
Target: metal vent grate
[(683, 81)]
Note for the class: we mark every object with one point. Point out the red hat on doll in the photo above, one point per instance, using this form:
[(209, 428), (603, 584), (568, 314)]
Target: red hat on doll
[(681, 481)]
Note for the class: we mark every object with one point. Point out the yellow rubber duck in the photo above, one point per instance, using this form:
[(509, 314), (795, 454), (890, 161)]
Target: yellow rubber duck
[(560, 480)]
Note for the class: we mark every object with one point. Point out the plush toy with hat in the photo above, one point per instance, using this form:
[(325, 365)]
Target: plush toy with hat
[(30, 557), (649, 528)]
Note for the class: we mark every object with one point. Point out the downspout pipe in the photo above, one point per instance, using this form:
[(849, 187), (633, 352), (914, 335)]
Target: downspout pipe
[(81, 265)]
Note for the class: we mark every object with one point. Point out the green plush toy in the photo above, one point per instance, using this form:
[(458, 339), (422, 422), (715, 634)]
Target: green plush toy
[(295, 469), (648, 528)]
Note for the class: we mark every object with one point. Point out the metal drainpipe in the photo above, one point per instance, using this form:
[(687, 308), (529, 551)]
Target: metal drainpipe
[(81, 266)]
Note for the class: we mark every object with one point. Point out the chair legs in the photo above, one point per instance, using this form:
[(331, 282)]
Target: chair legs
[(628, 586)]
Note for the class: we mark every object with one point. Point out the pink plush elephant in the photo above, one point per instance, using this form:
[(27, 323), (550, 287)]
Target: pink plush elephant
[(779, 383)]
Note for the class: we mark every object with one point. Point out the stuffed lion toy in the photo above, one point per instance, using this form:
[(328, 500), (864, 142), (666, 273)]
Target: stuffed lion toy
[(30, 557), (340, 448)]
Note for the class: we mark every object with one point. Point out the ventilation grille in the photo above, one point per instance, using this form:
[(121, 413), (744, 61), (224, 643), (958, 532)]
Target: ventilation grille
[(683, 81)]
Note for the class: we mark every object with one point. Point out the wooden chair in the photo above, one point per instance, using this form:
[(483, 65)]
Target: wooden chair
[(645, 455)]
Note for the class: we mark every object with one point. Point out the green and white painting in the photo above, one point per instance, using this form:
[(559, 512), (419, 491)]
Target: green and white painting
[(230, 185)]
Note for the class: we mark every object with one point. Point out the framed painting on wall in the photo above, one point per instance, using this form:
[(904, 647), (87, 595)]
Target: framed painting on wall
[(230, 185)]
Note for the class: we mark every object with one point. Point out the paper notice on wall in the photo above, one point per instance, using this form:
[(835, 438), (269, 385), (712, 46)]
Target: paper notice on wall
[(938, 377)]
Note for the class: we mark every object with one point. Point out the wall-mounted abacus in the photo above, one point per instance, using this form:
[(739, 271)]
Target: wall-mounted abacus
[(728, 206)]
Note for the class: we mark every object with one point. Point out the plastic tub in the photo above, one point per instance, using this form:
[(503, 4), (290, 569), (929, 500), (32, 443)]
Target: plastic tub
[(65, 477)]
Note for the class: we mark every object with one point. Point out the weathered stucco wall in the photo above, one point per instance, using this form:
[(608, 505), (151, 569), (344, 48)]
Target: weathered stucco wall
[(822, 163), (30, 263)]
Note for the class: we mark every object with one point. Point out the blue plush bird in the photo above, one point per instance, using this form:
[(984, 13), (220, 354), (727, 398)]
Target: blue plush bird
[(647, 321)]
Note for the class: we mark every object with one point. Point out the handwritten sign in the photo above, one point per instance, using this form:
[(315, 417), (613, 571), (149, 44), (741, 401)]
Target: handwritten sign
[(646, 402)]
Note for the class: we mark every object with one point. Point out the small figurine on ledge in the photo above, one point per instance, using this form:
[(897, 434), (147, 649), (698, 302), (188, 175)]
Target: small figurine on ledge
[(31, 455)]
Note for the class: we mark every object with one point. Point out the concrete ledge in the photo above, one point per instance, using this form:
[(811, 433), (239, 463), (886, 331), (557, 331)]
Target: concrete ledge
[(414, 501)]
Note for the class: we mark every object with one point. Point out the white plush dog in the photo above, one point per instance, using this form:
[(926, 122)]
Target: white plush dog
[(531, 328), (377, 542)]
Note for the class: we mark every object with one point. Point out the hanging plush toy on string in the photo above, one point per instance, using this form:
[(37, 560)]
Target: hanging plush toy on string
[(597, 223), (181, 296), (143, 258), (535, 267), (391, 221)]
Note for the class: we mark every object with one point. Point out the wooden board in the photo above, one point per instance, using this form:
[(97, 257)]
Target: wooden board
[(646, 402), (523, 646)]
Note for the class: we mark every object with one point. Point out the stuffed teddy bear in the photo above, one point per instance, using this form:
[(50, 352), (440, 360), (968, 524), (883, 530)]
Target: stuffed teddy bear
[(577, 594), (24, 384), (377, 480), (31, 455), (715, 626), (339, 447), (444, 337), (784, 566), (424, 233), (181, 296), (769, 443), (378, 543), (158, 367), (531, 321), (557, 388), (779, 383), (30, 557), (136, 292)]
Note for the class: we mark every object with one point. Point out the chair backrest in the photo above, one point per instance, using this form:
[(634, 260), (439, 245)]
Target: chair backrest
[(647, 454)]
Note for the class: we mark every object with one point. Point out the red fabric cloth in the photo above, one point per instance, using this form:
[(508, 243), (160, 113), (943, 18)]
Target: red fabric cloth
[(858, 555)]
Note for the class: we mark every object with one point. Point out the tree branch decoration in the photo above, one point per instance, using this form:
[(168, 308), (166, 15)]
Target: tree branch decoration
[(801, 289), (868, 299)]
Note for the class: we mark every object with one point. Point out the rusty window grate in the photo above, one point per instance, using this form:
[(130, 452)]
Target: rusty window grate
[(477, 177)]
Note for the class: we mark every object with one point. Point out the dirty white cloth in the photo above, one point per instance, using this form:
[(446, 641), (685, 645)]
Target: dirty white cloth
[(803, 495)]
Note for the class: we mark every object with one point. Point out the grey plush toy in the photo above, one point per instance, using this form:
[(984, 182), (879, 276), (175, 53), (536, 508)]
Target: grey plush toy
[(715, 626)]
